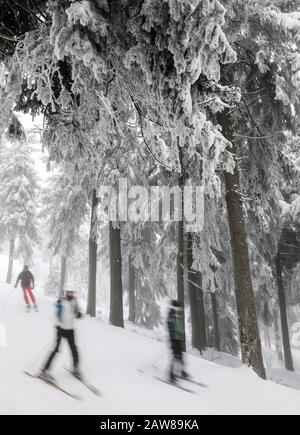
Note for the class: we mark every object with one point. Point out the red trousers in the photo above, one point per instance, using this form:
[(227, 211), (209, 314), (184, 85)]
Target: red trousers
[(27, 292)]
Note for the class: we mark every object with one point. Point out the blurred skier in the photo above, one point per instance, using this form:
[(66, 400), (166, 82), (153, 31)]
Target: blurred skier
[(27, 284), (176, 334), (67, 311)]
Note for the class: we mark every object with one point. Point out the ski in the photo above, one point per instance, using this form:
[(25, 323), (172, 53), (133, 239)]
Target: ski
[(87, 384), (192, 381), (180, 387), (54, 385)]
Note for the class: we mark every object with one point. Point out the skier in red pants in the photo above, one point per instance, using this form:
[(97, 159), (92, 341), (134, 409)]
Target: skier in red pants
[(27, 284)]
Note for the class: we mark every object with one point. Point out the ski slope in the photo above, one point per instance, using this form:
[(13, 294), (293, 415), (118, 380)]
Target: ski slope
[(111, 358)]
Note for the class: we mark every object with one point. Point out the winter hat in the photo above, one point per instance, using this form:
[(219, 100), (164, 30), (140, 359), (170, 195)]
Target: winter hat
[(69, 290)]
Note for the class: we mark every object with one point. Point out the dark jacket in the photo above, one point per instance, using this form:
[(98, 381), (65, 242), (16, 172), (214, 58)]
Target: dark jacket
[(175, 325), (26, 278)]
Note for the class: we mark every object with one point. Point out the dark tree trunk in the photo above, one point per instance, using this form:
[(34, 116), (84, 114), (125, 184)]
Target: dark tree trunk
[(131, 291), (248, 325), (278, 342), (208, 317), (93, 251), (116, 287), (288, 358), (201, 308), (180, 272), (180, 251), (10, 261), (214, 306), (63, 269), (196, 301)]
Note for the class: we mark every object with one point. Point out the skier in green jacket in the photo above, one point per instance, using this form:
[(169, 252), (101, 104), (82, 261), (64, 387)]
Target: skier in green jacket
[(176, 334)]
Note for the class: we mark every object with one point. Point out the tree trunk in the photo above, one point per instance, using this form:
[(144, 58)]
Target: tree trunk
[(208, 317), (116, 287), (248, 325), (131, 291), (196, 301), (278, 341), (63, 268), (180, 251), (93, 251), (214, 305), (288, 358), (10, 261), (201, 308)]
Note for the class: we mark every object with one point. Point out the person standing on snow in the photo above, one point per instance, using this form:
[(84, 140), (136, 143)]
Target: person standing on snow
[(27, 284), (67, 311), (176, 335)]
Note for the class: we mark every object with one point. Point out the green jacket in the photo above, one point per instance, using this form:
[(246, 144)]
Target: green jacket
[(175, 325)]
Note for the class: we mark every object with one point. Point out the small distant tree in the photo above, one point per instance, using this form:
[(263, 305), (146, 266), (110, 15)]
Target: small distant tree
[(18, 196), (64, 210), (52, 283)]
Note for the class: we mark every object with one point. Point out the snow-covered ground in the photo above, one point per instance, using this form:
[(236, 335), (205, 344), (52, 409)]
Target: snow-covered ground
[(111, 358)]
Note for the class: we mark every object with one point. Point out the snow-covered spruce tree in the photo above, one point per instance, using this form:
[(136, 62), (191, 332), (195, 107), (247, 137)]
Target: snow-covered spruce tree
[(18, 195), (249, 332), (266, 41), (116, 167), (194, 280), (151, 257), (208, 260), (287, 257), (53, 282), (64, 211), (149, 253), (134, 248)]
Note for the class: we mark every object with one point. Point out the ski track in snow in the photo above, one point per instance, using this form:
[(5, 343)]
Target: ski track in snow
[(111, 358)]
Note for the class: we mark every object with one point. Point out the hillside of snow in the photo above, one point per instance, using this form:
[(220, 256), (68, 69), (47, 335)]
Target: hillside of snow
[(111, 358)]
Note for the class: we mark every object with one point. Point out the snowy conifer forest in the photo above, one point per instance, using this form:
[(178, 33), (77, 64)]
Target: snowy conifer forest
[(111, 110)]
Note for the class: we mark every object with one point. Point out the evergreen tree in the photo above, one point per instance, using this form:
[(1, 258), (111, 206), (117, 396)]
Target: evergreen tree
[(266, 74), (64, 211), (18, 195)]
